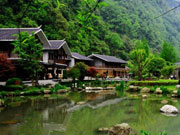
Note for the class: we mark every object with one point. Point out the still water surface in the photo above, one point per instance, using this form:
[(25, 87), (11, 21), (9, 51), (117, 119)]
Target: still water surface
[(57, 115)]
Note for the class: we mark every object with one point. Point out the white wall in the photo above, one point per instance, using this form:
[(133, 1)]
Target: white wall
[(72, 62), (45, 56)]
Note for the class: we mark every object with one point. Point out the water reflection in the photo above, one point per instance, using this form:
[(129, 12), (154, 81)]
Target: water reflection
[(54, 115)]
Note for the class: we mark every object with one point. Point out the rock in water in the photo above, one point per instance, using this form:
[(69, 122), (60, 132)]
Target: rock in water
[(164, 102), (121, 129), (169, 109)]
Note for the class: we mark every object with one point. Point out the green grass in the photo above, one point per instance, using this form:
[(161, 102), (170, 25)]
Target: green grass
[(160, 82)]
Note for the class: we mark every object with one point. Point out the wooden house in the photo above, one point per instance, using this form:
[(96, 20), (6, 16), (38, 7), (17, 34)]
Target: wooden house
[(110, 66), (56, 53)]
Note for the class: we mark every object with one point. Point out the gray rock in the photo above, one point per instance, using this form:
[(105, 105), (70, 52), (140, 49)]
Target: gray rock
[(158, 91), (145, 90), (121, 129), (169, 109), (164, 102)]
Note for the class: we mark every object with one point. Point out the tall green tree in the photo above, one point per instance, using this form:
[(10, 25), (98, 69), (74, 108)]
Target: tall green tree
[(155, 65), (30, 52), (169, 53), (139, 58)]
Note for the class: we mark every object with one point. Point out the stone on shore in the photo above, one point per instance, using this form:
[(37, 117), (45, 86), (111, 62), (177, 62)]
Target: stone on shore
[(145, 90), (158, 91)]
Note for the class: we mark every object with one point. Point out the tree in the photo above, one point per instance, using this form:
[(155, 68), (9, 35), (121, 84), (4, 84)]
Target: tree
[(74, 73), (168, 53), (155, 65), (167, 71), (82, 69), (30, 52), (7, 70), (91, 71), (139, 58)]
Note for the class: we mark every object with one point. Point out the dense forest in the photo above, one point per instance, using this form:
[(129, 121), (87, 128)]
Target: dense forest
[(112, 27)]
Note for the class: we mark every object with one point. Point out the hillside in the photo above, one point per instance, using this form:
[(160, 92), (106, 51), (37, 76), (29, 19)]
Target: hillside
[(112, 30)]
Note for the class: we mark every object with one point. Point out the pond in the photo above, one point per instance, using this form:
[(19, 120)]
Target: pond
[(66, 115)]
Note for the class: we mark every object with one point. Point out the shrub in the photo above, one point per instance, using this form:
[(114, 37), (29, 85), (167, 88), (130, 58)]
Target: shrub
[(14, 81), (121, 86), (82, 69), (153, 83), (74, 73), (179, 92), (92, 72), (58, 87), (14, 87), (164, 90), (167, 71), (7, 70)]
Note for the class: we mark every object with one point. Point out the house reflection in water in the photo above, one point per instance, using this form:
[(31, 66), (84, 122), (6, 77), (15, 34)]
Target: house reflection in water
[(55, 119)]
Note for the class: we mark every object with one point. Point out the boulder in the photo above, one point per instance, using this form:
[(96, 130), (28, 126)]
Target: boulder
[(133, 88), (169, 109), (121, 129), (47, 91), (145, 90), (158, 91), (177, 86), (164, 102)]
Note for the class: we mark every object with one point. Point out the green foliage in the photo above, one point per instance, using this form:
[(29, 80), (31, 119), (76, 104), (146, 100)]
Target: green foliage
[(14, 81), (139, 58), (14, 87), (112, 28), (121, 86), (82, 69), (30, 52), (74, 73), (147, 133), (167, 71), (179, 92), (153, 83), (164, 90), (168, 53), (155, 65)]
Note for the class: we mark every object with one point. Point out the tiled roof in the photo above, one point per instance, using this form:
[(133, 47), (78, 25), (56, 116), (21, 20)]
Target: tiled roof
[(108, 58), (55, 44), (80, 57), (8, 33)]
